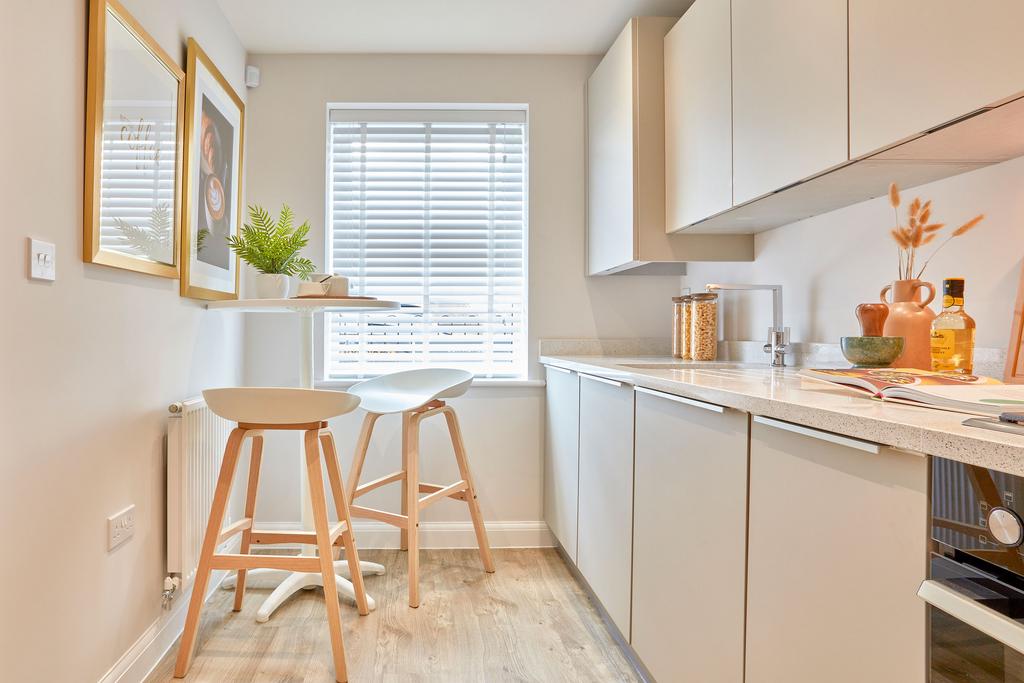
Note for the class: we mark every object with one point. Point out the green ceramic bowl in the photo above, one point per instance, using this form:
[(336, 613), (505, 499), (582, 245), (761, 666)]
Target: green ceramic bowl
[(871, 352)]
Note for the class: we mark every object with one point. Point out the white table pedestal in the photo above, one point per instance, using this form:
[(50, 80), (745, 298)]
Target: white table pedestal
[(287, 583)]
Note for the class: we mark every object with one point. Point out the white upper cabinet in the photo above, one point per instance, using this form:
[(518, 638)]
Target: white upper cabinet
[(789, 91), (698, 115), (916, 64), (626, 164)]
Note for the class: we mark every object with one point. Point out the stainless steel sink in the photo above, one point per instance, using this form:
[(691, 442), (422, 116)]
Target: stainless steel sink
[(696, 365)]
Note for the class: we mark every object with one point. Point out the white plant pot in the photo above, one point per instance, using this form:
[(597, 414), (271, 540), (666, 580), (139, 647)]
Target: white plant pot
[(270, 286)]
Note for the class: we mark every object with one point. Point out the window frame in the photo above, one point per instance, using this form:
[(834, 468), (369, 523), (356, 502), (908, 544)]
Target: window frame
[(322, 329)]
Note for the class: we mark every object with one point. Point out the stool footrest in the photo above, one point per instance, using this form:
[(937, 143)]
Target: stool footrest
[(456, 490), (234, 529), (401, 521), (259, 537), (377, 483), (289, 563)]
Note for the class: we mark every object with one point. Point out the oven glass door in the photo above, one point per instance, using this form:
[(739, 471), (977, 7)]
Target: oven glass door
[(972, 616)]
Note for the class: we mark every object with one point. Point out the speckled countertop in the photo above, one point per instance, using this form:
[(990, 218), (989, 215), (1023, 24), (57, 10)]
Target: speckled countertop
[(782, 394)]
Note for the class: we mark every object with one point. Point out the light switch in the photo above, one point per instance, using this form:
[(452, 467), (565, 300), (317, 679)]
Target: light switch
[(43, 260)]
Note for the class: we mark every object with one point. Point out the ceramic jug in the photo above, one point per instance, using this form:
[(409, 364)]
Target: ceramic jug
[(910, 318)]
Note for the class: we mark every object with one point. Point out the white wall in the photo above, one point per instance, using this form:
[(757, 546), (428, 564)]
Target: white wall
[(90, 362), (830, 263), (503, 426)]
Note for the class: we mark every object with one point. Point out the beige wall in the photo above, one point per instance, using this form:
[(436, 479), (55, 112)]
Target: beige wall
[(90, 362), (829, 263), (503, 426)]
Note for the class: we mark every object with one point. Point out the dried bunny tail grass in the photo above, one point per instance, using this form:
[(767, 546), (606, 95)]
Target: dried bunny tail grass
[(915, 206), (894, 195), (928, 238), (926, 212), (934, 227), (900, 238), (916, 236), (969, 225)]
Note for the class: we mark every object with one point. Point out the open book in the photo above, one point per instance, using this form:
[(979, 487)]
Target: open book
[(961, 393)]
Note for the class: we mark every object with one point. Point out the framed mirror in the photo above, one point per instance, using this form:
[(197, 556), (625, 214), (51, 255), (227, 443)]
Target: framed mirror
[(1015, 352), (135, 105)]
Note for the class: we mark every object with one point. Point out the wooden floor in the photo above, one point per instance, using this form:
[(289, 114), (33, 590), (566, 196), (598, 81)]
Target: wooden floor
[(529, 621)]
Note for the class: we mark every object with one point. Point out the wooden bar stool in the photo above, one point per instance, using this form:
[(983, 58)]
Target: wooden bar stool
[(417, 395), (256, 410)]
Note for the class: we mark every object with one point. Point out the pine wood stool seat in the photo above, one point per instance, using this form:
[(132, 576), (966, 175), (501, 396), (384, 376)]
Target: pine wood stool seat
[(256, 410), (417, 395)]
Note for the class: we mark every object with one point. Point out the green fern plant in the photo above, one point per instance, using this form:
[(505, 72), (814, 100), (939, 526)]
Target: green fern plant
[(273, 248)]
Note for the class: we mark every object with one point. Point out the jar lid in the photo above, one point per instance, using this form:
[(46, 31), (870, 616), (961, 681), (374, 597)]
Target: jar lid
[(704, 296), (678, 299)]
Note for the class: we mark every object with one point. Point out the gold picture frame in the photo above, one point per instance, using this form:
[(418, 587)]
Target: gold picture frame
[(138, 139), (209, 270), (1015, 352)]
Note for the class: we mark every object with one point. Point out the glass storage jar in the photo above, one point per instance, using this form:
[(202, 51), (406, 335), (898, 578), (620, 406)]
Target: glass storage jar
[(704, 326), (681, 326)]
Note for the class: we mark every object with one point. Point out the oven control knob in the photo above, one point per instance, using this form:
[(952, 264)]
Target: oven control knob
[(1005, 526)]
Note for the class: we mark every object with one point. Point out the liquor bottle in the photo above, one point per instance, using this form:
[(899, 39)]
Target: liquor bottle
[(953, 331)]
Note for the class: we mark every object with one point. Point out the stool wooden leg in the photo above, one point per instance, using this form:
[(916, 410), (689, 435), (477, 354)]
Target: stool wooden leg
[(474, 506), (403, 537), (341, 508), (360, 455), (323, 543), (213, 528), (411, 502), (255, 459)]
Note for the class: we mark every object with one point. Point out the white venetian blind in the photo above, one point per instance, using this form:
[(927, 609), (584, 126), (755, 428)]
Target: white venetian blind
[(428, 207)]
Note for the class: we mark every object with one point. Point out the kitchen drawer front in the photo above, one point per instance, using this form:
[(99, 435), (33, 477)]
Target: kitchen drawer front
[(604, 554), (689, 540), (837, 548)]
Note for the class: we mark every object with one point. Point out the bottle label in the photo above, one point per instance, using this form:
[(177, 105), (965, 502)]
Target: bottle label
[(949, 301), (943, 344)]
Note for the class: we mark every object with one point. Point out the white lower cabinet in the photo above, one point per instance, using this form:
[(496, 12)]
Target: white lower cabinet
[(689, 539), (836, 551), (562, 459), (604, 551)]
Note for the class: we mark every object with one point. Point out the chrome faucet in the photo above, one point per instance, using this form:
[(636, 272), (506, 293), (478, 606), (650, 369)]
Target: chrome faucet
[(778, 335)]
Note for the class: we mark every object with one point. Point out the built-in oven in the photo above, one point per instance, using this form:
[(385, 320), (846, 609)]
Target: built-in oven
[(975, 585)]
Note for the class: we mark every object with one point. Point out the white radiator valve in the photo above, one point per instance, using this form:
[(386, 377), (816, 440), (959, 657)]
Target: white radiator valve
[(171, 586)]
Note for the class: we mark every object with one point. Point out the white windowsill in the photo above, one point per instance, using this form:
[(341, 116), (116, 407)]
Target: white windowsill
[(478, 382)]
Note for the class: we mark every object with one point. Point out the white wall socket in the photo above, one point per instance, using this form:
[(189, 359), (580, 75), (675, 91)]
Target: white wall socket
[(120, 527)]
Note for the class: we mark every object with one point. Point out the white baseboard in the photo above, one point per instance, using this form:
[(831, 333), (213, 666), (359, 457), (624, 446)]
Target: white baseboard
[(437, 535), (147, 652)]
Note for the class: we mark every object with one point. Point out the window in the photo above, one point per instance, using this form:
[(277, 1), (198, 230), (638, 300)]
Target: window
[(427, 206)]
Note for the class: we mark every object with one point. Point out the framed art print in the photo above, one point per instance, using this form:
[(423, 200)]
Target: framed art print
[(135, 103), (214, 124)]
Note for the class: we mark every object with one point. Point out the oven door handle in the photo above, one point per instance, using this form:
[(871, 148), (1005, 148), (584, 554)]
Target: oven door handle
[(990, 622)]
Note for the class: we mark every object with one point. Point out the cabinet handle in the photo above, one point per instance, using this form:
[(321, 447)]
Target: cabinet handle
[(558, 369), (974, 614), (820, 435), (681, 399), (603, 380)]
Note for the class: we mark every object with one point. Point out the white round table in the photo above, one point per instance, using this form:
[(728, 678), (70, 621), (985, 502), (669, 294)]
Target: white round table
[(288, 583)]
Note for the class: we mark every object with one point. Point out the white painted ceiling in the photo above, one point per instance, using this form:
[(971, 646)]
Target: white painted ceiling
[(437, 26)]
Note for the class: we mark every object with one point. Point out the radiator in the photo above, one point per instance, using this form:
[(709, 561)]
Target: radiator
[(195, 448)]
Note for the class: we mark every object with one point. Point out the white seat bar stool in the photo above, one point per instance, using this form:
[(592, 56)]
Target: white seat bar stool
[(417, 395), (256, 410)]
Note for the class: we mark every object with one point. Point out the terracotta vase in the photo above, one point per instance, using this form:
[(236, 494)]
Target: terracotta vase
[(910, 318)]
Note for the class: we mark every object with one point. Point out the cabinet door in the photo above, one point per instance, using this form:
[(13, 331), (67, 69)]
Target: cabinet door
[(689, 539), (562, 451), (837, 549), (915, 64), (789, 92), (698, 115), (606, 494), (610, 158)]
